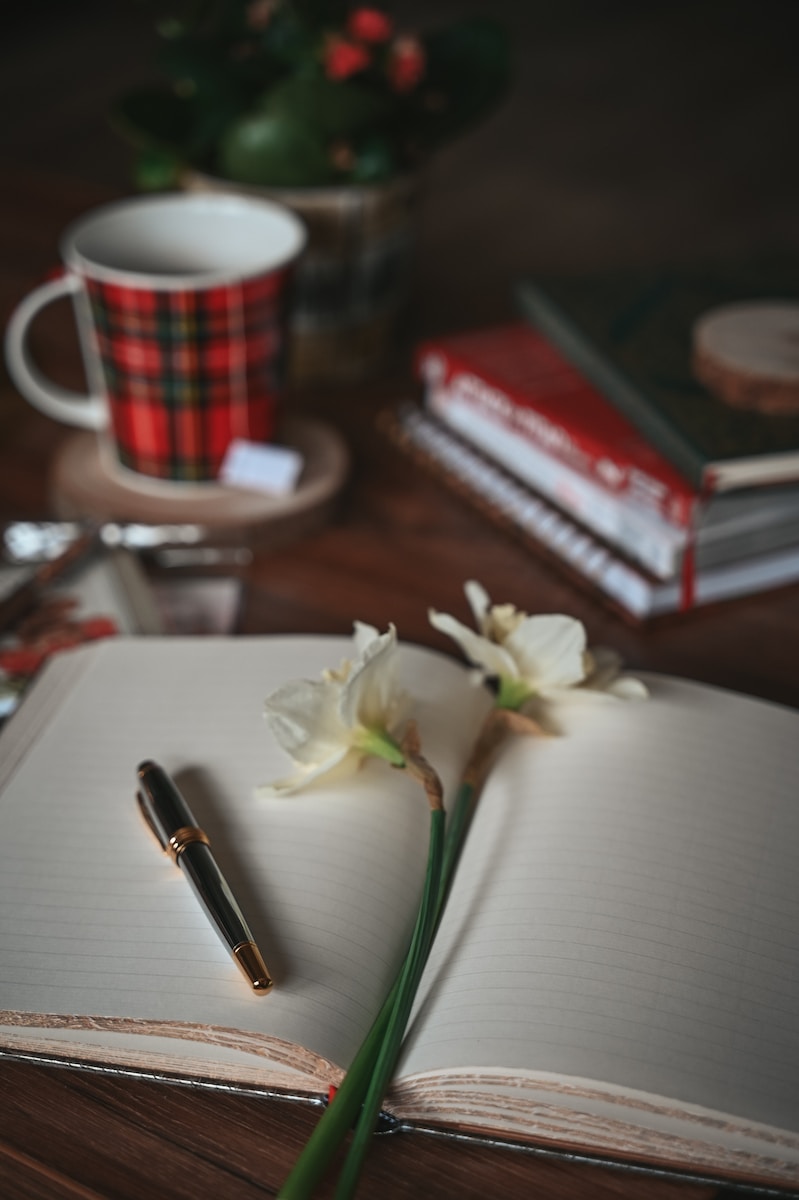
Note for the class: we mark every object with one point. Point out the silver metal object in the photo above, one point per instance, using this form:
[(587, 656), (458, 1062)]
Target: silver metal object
[(28, 542)]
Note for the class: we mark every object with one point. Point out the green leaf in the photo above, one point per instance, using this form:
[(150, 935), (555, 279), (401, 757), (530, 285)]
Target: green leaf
[(374, 160), (332, 109), (323, 12), (154, 116), (287, 41), (468, 73), (157, 170), (276, 150), (194, 63)]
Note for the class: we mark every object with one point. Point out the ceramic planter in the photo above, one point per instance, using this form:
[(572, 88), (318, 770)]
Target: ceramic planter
[(353, 282)]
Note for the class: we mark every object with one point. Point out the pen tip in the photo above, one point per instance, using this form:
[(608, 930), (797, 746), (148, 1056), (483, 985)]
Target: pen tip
[(248, 956)]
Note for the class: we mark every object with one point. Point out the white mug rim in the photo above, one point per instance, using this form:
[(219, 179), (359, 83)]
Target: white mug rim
[(85, 266)]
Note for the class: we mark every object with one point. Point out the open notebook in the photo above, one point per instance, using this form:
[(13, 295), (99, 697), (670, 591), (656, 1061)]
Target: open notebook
[(617, 971)]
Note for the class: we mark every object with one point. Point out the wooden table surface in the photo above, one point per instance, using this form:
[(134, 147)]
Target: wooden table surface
[(397, 543)]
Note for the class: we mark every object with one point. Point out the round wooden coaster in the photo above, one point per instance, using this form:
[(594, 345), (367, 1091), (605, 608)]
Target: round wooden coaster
[(84, 484), (747, 354)]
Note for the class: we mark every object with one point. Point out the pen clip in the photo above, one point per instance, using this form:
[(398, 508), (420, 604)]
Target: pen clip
[(145, 812)]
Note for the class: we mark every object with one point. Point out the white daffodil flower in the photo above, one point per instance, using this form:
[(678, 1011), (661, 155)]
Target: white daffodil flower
[(347, 714), (603, 674), (526, 657)]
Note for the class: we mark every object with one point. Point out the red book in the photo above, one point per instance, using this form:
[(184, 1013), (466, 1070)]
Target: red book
[(515, 378)]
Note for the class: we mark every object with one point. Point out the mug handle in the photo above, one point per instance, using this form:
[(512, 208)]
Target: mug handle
[(85, 411)]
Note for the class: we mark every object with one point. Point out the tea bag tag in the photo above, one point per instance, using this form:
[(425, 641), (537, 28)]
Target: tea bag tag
[(261, 467)]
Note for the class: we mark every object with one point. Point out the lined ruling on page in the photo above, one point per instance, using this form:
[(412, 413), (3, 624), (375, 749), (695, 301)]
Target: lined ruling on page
[(96, 921), (626, 909)]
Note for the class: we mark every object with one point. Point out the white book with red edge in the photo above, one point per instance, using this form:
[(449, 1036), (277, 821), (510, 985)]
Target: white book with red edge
[(634, 592), (512, 394)]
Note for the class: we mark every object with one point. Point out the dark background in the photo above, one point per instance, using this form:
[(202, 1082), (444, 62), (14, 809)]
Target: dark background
[(635, 133)]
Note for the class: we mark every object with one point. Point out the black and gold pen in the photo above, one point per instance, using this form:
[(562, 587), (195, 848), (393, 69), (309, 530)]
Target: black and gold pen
[(171, 820)]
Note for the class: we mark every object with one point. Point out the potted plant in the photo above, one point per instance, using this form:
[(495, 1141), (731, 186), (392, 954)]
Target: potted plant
[(332, 109)]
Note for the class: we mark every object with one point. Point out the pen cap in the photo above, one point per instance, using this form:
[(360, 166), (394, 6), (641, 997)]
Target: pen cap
[(162, 804)]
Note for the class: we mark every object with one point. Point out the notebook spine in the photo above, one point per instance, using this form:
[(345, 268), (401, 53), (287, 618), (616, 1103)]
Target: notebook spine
[(514, 507)]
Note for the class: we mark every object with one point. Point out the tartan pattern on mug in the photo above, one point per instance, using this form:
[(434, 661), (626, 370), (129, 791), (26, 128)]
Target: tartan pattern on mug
[(188, 371)]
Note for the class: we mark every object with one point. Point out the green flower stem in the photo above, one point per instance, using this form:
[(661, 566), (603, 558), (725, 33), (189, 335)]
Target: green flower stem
[(488, 738), (339, 1116), (498, 724), (381, 744), (405, 993), (458, 824), (512, 693)]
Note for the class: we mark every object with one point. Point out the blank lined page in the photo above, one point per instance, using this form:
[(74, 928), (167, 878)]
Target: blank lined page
[(627, 909), (96, 921)]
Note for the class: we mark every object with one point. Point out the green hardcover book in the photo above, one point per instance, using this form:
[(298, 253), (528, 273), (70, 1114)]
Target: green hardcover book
[(630, 334)]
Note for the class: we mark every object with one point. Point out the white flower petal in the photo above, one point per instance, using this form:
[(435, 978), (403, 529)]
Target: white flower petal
[(548, 651), (322, 723), (485, 654), (601, 664), (340, 673), (479, 602), (373, 698), (627, 687), (304, 718), (307, 774), (494, 621), (363, 635), (546, 654), (604, 675), (502, 621)]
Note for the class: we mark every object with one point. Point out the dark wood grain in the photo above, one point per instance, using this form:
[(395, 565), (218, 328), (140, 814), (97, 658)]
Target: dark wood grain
[(649, 134), (130, 1138)]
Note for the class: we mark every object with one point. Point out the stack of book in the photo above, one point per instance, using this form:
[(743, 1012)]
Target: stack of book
[(650, 489)]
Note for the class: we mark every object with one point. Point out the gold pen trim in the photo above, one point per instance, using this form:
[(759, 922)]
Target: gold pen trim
[(248, 956), (187, 835)]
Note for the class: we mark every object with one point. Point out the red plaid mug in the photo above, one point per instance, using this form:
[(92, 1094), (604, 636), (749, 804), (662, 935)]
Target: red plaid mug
[(181, 305)]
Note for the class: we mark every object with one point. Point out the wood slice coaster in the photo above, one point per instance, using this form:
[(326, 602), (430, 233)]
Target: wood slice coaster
[(85, 483), (748, 355)]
